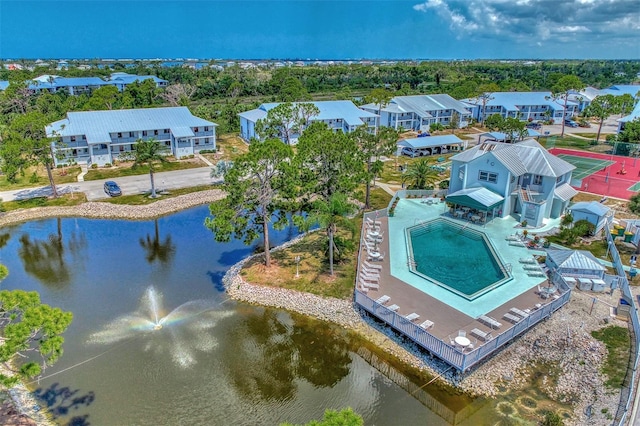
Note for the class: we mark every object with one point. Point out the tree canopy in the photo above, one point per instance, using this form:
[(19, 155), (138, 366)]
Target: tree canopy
[(257, 187), (148, 153), (29, 326)]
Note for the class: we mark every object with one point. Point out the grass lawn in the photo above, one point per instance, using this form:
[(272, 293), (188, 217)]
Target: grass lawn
[(65, 200), (126, 169), (313, 267), (229, 147), (616, 339), (143, 199), (37, 176)]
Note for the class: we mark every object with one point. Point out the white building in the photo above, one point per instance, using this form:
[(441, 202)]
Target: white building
[(99, 137)]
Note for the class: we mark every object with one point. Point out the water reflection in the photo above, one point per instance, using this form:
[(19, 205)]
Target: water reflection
[(162, 251), (62, 401), (271, 356), (46, 260)]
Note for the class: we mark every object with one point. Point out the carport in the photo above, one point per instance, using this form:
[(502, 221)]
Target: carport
[(433, 144)]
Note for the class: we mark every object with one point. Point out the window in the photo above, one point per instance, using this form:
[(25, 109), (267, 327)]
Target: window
[(166, 131), (131, 135), (206, 128), (84, 137), (488, 177), (73, 138), (155, 132), (119, 134), (144, 133), (537, 180), (195, 129)]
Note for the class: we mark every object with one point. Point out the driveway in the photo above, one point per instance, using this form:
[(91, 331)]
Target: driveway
[(129, 185)]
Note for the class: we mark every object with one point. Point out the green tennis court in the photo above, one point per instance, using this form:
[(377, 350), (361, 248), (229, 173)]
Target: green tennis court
[(585, 166)]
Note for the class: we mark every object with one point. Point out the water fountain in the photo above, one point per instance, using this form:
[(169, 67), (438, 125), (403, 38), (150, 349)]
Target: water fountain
[(181, 332)]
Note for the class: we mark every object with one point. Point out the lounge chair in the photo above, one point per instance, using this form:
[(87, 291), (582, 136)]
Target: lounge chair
[(393, 308), (412, 316), (384, 299), (427, 324), (370, 278), (517, 243), (528, 260), (370, 285), (489, 321), (511, 318), (370, 271), (371, 265), (482, 335)]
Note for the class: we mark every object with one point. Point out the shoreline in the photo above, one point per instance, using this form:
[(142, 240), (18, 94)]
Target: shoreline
[(18, 402), (580, 357), (563, 340)]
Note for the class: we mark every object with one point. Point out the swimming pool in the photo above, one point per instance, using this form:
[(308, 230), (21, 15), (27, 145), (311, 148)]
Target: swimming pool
[(455, 257)]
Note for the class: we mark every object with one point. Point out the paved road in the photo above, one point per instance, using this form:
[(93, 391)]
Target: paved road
[(129, 184)]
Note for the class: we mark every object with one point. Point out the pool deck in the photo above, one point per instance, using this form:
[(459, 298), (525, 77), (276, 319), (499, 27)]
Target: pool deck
[(451, 313)]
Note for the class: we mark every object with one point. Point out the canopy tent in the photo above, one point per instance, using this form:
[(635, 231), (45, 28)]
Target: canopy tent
[(476, 198)]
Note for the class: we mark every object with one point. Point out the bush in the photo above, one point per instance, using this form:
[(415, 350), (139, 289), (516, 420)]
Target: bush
[(33, 178), (634, 204), (584, 228), (552, 419), (94, 166), (107, 165), (444, 184)]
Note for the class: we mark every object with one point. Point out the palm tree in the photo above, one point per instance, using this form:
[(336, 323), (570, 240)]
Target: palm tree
[(420, 175), (156, 249), (329, 215), (148, 152)]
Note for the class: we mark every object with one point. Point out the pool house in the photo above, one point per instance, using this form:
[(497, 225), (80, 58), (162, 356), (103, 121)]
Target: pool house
[(459, 289)]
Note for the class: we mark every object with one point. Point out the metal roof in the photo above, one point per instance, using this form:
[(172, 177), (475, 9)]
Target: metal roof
[(329, 110), (79, 81), (97, 125), (519, 158), (575, 259), (430, 141), (594, 207), (565, 192), (420, 104), (512, 101), (4, 84), (479, 198), (634, 114), (124, 78)]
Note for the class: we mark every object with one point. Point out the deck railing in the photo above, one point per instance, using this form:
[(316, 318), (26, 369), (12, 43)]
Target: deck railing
[(628, 387), (462, 361)]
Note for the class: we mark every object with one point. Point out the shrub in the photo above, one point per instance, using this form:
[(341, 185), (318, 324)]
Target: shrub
[(444, 184), (552, 419), (634, 203), (94, 166), (584, 228), (524, 224), (107, 165)]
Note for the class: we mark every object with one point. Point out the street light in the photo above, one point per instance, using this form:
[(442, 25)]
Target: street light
[(606, 256)]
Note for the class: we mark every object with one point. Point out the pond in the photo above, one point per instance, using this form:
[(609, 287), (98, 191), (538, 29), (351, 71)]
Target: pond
[(155, 340)]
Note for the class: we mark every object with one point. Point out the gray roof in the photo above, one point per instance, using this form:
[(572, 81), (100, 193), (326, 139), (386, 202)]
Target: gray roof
[(527, 156), (479, 194), (329, 110), (575, 259), (430, 141), (97, 125), (594, 207), (420, 104), (565, 192)]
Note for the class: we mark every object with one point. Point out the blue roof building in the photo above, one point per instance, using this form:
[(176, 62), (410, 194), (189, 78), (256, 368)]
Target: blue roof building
[(622, 89), (100, 137), (533, 183), (431, 145), (121, 80), (86, 85), (338, 115), (635, 115), (418, 112), (526, 106), (4, 84)]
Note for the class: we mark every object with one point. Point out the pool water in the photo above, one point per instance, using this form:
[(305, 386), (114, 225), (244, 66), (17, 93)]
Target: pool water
[(460, 259)]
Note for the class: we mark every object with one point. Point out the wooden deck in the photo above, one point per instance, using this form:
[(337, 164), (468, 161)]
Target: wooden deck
[(447, 321)]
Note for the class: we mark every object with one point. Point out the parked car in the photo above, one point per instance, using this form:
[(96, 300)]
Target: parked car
[(584, 124), (410, 152), (112, 188), (570, 123), (534, 126)]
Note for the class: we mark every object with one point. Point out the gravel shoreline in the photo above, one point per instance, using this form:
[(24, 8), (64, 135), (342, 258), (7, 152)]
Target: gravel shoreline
[(563, 340)]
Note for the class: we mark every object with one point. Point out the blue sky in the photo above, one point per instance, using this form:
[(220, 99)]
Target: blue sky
[(328, 29)]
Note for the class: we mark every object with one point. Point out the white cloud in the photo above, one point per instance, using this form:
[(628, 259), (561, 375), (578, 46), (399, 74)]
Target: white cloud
[(527, 20)]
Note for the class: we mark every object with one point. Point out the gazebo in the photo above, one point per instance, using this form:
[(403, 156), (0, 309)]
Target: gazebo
[(480, 200)]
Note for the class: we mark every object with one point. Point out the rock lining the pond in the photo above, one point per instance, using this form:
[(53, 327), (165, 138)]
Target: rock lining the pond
[(103, 210), (575, 362)]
